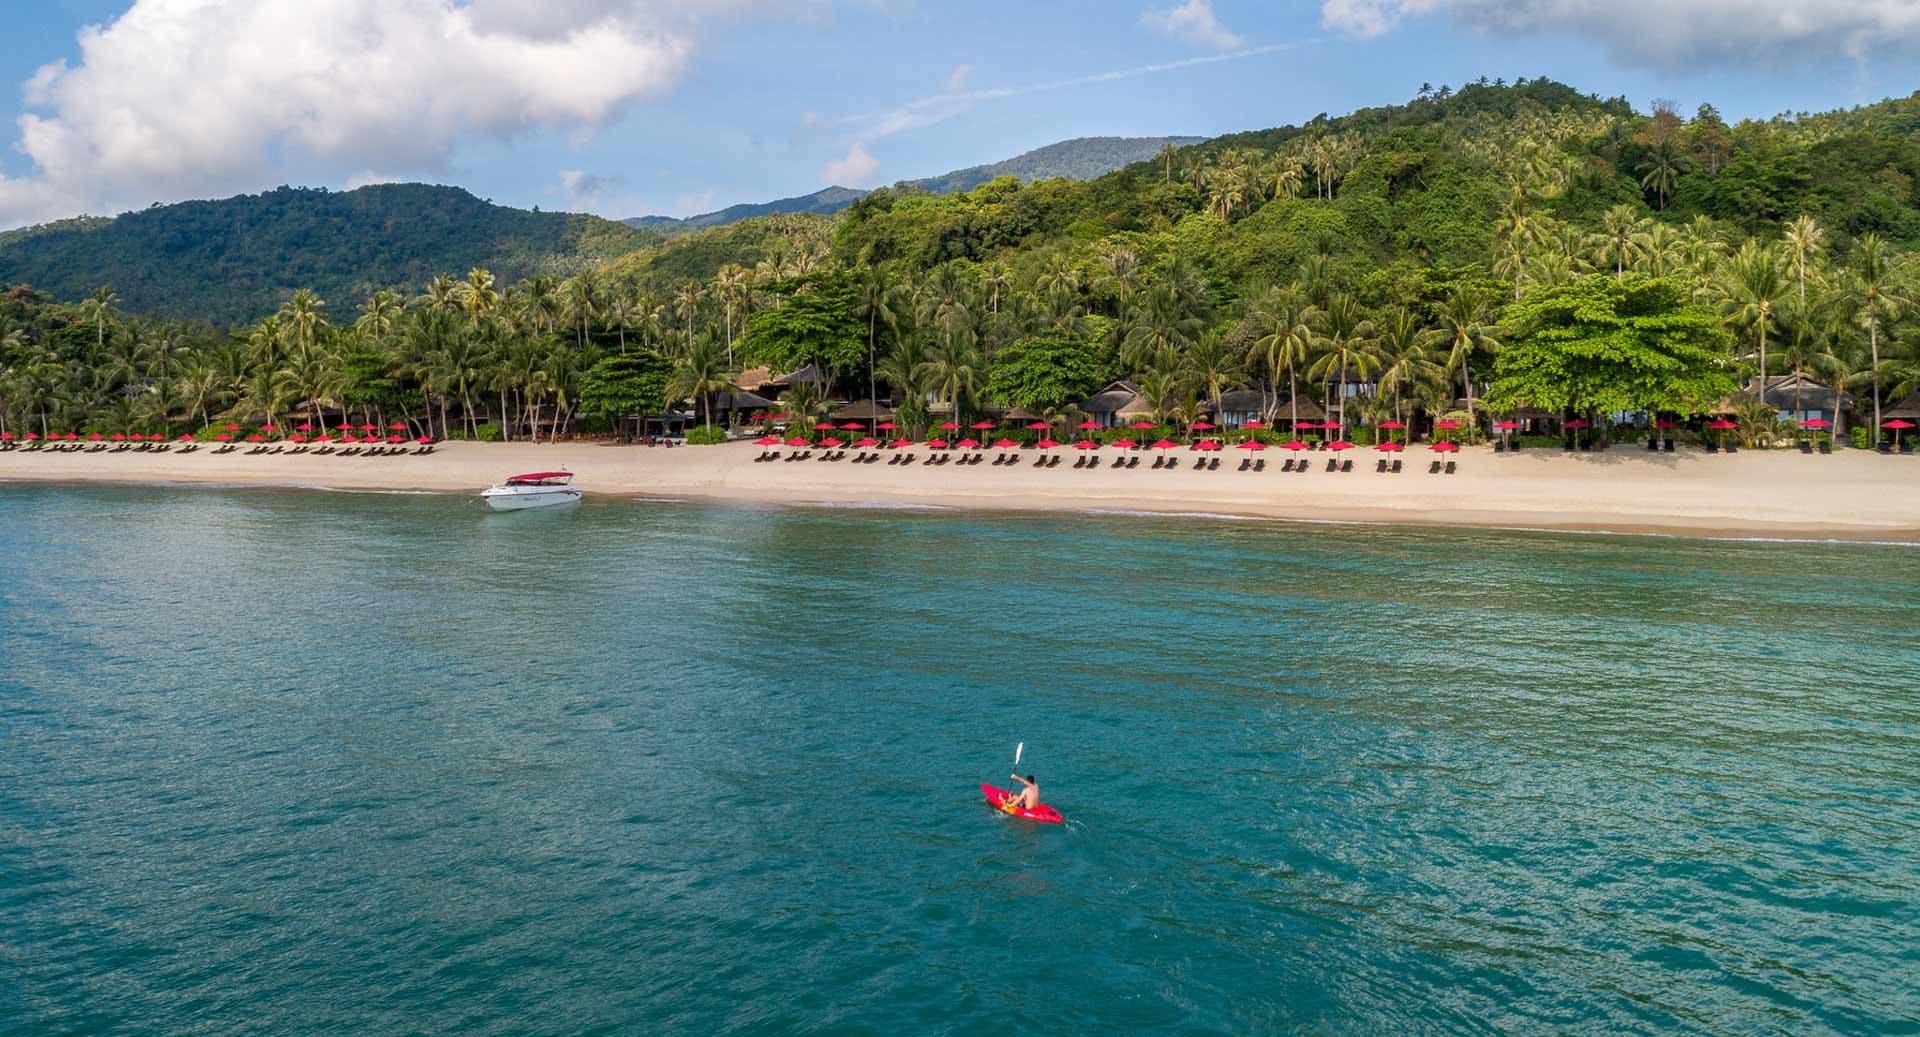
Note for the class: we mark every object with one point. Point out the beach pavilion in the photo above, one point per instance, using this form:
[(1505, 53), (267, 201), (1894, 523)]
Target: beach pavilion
[(1107, 405)]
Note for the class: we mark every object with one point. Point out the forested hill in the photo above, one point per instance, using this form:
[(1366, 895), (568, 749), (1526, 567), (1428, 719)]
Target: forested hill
[(236, 259), (1082, 158)]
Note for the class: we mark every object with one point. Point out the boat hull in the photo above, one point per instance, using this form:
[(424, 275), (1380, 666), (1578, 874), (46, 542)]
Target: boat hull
[(555, 497)]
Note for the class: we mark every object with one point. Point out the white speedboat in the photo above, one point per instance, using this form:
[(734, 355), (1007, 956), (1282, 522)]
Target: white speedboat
[(533, 490)]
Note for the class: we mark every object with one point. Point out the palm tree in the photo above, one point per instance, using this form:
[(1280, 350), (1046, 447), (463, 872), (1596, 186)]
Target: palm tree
[(1466, 326), (1750, 288), (1622, 237), (954, 372), (1879, 289), (477, 295), (702, 371), (580, 300), (99, 309), (733, 282), (1663, 166), (303, 317), (1215, 366), (1344, 336), (1406, 362), (1805, 240), (378, 315), (442, 294), (1284, 318), (686, 303), (873, 299)]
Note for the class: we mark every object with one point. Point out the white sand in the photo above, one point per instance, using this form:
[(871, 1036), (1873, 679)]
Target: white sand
[(1849, 495)]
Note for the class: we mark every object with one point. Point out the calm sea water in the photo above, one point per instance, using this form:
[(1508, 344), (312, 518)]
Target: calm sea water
[(329, 763)]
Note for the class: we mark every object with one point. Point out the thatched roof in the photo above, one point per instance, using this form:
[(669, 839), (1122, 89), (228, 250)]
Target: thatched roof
[(1135, 407), (863, 410), (1111, 399), (1779, 393), (1307, 408), (740, 399), (754, 377), (1908, 408), (808, 373), (1022, 415)]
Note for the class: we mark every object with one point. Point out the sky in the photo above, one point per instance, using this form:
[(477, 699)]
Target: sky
[(631, 107)]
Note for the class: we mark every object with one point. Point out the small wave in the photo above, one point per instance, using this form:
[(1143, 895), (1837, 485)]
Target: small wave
[(1141, 513), (658, 500), (875, 505)]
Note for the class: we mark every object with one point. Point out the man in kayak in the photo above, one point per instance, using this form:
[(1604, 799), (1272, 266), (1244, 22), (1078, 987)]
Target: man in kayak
[(1029, 797)]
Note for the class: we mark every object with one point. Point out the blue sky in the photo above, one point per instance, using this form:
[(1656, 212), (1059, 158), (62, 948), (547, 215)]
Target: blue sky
[(624, 107)]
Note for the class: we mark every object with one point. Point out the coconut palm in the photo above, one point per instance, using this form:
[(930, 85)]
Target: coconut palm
[(1466, 326), (1283, 320), (1663, 166), (700, 373), (1215, 367), (378, 315), (1622, 238), (1878, 286), (99, 310), (1750, 288), (1408, 357), (1805, 241), (954, 372), (1343, 334)]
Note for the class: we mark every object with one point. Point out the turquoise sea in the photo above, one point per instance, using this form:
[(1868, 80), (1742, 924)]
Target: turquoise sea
[(306, 762)]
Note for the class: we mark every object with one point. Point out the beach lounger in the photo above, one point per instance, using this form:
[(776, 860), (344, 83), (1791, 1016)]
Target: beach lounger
[(1288, 466), (1056, 462), (1713, 448), (1826, 447), (1653, 443), (1806, 448), (1732, 449), (1499, 447), (1260, 465), (1213, 465), (1080, 462), (1434, 468), (1134, 462), (1514, 446), (1245, 463), (1159, 462), (1333, 464), (1347, 465), (1395, 467), (1118, 462), (1667, 445), (1380, 467), (1450, 467)]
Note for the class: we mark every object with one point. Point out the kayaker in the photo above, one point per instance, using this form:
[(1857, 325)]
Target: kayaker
[(1029, 797)]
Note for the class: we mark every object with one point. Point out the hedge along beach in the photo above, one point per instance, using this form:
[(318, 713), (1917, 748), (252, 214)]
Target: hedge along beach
[(1850, 495)]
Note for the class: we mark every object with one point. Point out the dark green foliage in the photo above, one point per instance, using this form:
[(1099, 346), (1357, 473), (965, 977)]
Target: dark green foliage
[(816, 326), (1049, 370), (626, 384), (702, 435), (239, 258), (1603, 345)]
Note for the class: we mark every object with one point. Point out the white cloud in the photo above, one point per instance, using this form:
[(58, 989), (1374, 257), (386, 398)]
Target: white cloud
[(957, 79), (696, 204), (185, 98), (855, 170), (1683, 34), (1193, 22)]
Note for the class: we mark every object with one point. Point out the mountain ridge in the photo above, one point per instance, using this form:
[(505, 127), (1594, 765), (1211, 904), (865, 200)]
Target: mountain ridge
[(1078, 158)]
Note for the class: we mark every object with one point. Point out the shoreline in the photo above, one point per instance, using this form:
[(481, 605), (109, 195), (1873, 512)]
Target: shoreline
[(1852, 496)]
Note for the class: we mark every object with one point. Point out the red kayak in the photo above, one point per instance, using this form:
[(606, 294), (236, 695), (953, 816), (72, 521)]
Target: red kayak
[(1001, 798)]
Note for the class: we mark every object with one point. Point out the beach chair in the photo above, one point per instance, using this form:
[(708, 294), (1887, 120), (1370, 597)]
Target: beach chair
[(1653, 443), (1199, 464), (1118, 462), (1245, 463), (1260, 464), (1333, 464), (1056, 462), (1826, 446), (1434, 468), (1347, 465), (1040, 462), (1514, 446), (1213, 465), (1080, 462), (1395, 467), (1713, 448), (1450, 468), (1499, 447), (1733, 448), (1667, 445), (1380, 467), (1288, 466), (1806, 448), (1134, 462)]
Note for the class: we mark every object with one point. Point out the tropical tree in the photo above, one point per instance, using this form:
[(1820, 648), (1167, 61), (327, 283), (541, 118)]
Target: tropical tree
[(1750, 288), (1466, 327), (1343, 335), (699, 373), (1283, 322), (1877, 282)]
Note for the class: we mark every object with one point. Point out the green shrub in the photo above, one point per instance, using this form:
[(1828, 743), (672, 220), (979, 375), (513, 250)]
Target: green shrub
[(489, 433), (703, 435), (1860, 439)]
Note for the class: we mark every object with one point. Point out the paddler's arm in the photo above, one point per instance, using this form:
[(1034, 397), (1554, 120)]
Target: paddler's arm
[(1019, 779)]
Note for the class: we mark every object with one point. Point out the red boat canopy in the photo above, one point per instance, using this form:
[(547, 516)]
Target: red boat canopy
[(538, 477)]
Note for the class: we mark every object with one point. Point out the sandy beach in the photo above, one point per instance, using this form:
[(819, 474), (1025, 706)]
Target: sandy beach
[(1850, 495)]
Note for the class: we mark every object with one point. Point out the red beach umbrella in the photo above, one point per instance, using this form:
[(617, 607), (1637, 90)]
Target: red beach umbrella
[(948, 426), (852, 426), (1665, 424), (1393, 425), (349, 439), (303, 428), (1507, 426), (233, 428), (423, 439), (117, 437), (825, 426), (831, 441), (1896, 423), (865, 443), (1005, 444), (186, 437), (1722, 424), (1339, 444), (968, 443), (937, 444), (256, 438), (1125, 444), (396, 439), (269, 428), (369, 428), (1046, 444), (1201, 426), (1088, 424), (1086, 444), (1206, 444), (296, 438), (1293, 444), (1816, 423), (886, 426), (1577, 423), (1038, 426), (343, 428), (1165, 444), (323, 438), (767, 441), (898, 443), (398, 426), (1390, 446), (1444, 447), (36, 435), (1445, 426), (1143, 424), (984, 425), (6, 435), (1253, 424), (73, 435), (796, 441), (223, 437), (1251, 444)]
